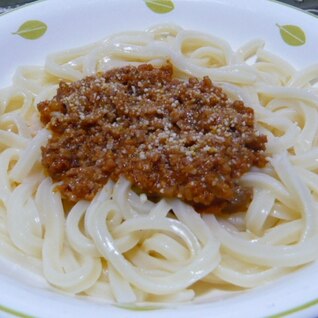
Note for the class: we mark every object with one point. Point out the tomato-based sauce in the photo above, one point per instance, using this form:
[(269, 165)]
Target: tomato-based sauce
[(168, 137)]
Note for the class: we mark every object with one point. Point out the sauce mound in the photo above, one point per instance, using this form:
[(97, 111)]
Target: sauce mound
[(169, 138)]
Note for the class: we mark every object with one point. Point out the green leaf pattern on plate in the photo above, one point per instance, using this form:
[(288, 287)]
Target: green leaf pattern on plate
[(292, 34), (160, 6), (13, 312), (32, 29)]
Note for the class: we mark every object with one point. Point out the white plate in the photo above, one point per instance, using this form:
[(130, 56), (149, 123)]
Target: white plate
[(73, 23)]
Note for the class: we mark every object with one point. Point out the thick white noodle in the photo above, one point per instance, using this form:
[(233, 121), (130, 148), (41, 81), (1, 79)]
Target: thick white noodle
[(123, 247)]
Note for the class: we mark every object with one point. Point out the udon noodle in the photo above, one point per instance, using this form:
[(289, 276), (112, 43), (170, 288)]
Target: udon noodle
[(122, 247)]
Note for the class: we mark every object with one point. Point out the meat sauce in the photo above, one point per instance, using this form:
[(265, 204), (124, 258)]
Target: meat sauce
[(170, 138)]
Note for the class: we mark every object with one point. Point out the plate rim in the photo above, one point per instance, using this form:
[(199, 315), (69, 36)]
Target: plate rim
[(294, 310)]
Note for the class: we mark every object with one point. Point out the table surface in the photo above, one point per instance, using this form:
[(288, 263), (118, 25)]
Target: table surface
[(308, 5)]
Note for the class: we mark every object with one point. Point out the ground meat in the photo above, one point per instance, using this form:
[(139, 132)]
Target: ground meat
[(169, 138)]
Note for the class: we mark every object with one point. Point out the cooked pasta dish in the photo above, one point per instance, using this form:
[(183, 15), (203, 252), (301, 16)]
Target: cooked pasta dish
[(101, 234)]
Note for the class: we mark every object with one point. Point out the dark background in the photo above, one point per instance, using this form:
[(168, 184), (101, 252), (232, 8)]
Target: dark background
[(13, 3), (309, 5)]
